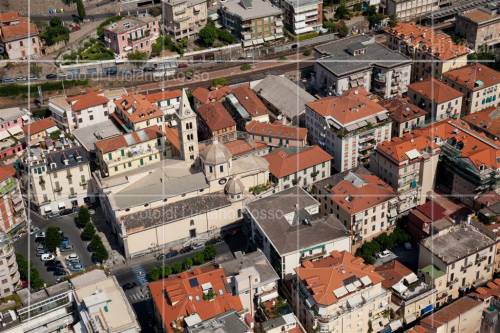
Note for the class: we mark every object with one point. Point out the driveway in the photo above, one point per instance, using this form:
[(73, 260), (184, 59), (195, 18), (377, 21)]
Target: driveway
[(27, 245)]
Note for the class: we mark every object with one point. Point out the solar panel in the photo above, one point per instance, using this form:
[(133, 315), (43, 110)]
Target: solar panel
[(193, 282)]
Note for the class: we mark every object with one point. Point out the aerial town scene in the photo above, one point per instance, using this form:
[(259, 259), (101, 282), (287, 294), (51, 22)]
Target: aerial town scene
[(249, 166)]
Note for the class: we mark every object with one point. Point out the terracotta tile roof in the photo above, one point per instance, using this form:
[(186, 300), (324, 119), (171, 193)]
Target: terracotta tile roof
[(322, 277), (276, 130), (136, 108), (7, 17), (435, 90), (426, 38), (392, 272), (215, 116), (492, 289), (287, 161), (129, 139), (474, 76), (432, 210), (478, 16), (84, 101), (419, 329), (487, 120), (163, 95), (180, 296), (7, 171), (401, 110), (21, 30), (450, 312), (250, 101), (172, 136), (203, 95), (38, 126), (397, 148), (353, 105), (360, 190), (242, 146)]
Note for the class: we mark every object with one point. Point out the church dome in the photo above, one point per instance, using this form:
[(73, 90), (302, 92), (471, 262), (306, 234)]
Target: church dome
[(234, 186), (216, 153)]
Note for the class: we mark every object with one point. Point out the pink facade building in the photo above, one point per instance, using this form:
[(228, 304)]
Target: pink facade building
[(132, 34), (11, 133)]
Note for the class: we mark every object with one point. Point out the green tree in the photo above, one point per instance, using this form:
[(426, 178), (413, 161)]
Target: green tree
[(209, 252), (100, 253), (95, 242), (162, 43), (166, 271), (199, 258), (55, 32), (53, 238), (55, 135), (81, 9), (343, 29), (83, 217), (35, 281), (342, 12), (208, 34), (137, 56), (187, 264), (393, 21), (177, 267), (88, 232), (155, 11), (154, 274), (225, 36), (245, 67), (219, 82)]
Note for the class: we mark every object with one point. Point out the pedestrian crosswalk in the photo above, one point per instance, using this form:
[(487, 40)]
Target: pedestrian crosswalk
[(140, 275), (138, 294)]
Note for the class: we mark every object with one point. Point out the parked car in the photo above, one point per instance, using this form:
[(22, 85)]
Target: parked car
[(51, 76), (186, 249), (60, 272), (73, 257), (384, 254), (8, 80), (66, 248), (197, 246), (75, 267), (167, 255), (21, 78), (40, 252), (40, 235), (47, 257), (34, 230)]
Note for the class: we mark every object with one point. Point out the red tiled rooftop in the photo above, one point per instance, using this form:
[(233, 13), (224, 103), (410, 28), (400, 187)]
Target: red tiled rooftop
[(204, 95), (487, 120), (401, 110), (242, 146), (117, 142), (6, 171), (477, 15), (38, 126), (474, 76), (21, 30), (435, 90), (84, 101), (163, 95), (215, 116), (450, 312), (284, 163), (7, 17), (276, 130), (136, 108), (250, 101), (392, 272)]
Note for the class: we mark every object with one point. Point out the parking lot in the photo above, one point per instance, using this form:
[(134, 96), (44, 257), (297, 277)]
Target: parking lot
[(27, 246)]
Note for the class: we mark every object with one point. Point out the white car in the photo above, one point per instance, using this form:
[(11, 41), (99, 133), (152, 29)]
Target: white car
[(47, 257), (384, 254), (72, 257)]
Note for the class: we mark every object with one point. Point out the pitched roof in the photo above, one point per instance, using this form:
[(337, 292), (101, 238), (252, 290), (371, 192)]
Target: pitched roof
[(163, 95), (38, 126), (352, 106), (6, 171), (432, 210), (487, 120), (182, 295), (358, 190), (474, 76), (203, 95), (492, 289), (7, 17), (401, 110), (325, 276), (450, 312), (136, 108), (21, 30), (392, 272), (276, 130), (440, 44), (287, 161), (215, 116), (479, 15), (242, 146), (129, 139), (249, 101), (84, 101), (435, 90)]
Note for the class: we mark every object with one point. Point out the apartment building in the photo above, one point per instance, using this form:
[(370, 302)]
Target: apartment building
[(37, 131), (339, 293), (348, 127), (295, 166), (229, 321), (135, 112), (181, 301), (132, 34), (277, 135), (360, 200), (168, 102), (87, 109), (184, 18), (19, 37), (102, 304), (409, 10), (479, 84), (433, 53), (9, 274), (57, 179), (302, 16), (411, 295), (486, 121), (130, 151), (215, 122), (359, 62), (408, 165), (405, 116), (463, 315), (294, 214), (284, 99), (11, 133), (463, 253), (427, 219), (436, 278), (253, 21), (480, 27), (12, 209), (245, 106), (439, 100), (202, 95)]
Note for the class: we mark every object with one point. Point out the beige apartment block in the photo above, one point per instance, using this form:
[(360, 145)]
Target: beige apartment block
[(437, 279), (480, 85), (463, 253), (12, 209), (184, 18), (9, 274), (408, 10), (480, 27)]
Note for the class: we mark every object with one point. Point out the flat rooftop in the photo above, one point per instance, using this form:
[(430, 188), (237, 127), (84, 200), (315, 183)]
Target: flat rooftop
[(89, 135), (255, 259), (285, 220), (258, 8), (458, 243)]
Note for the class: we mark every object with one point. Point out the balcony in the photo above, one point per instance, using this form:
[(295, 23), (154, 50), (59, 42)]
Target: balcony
[(313, 256)]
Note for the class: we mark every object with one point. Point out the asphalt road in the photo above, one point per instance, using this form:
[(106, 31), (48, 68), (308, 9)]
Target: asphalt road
[(26, 245)]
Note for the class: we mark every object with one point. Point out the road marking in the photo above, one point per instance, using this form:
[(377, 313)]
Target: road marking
[(140, 275)]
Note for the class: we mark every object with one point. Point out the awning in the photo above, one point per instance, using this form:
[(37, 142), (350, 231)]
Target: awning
[(15, 130), (259, 41), (4, 135), (247, 43), (47, 209), (269, 38), (61, 205)]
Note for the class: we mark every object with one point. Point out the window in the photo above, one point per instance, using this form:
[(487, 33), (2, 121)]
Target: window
[(110, 156), (192, 233), (191, 223), (221, 168)]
